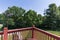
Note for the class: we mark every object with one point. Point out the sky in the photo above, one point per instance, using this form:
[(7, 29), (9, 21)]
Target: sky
[(38, 5)]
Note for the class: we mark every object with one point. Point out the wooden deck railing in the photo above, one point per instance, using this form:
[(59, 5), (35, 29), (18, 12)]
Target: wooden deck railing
[(26, 34), (44, 35)]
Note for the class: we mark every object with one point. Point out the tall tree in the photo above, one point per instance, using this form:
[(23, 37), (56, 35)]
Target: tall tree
[(51, 16), (14, 15), (39, 21), (58, 18), (30, 17)]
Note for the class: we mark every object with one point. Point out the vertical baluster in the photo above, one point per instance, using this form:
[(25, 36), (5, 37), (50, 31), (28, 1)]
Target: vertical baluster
[(1, 37), (9, 36), (13, 34), (43, 36), (48, 37), (21, 38), (54, 39), (18, 34)]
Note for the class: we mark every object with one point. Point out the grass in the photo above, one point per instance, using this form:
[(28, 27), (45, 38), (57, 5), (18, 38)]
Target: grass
[(54, 32)]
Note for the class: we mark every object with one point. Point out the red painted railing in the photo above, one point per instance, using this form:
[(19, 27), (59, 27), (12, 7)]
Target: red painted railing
[(31, 33), (44, 35)]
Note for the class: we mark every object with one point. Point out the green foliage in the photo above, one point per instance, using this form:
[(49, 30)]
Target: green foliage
[(14, 17), (52, 17), (31, 17), (1, 18), (17, 17)]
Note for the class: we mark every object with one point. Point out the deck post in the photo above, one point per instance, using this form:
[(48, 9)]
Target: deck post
[(33, 31), (5, 33)]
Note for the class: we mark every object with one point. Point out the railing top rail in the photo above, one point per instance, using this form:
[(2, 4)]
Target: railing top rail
[(16, 30), (21, 29), (47, 33)]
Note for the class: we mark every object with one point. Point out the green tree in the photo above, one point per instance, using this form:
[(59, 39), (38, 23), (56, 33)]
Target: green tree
[(51, 16), (14, 15), (30, 17), (58, 18), (1, 18), (39, 21)]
